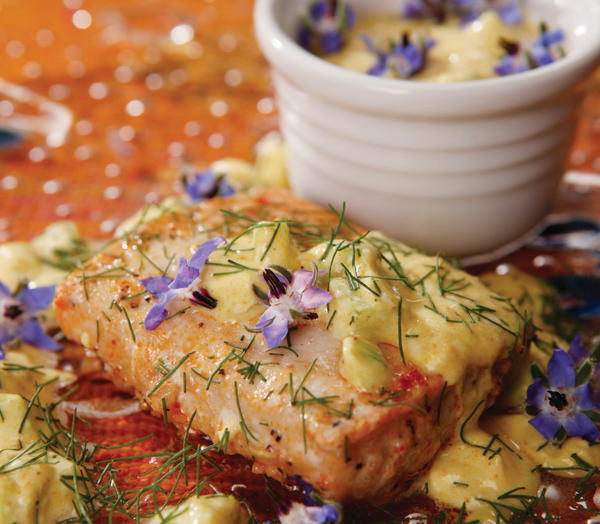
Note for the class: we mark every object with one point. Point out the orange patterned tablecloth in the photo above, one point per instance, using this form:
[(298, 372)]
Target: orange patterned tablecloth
[(143, 104), (153, 85)]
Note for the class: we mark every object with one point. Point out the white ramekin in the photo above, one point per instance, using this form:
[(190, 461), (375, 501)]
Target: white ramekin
[(459, 168)]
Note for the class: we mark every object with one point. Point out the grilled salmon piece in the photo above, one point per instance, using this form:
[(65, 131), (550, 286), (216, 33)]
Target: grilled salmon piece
[(293, 409)]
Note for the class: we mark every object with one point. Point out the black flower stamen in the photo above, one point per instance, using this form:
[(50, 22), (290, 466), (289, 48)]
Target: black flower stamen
[(202, 297), (13, 311), (276, 287), (512, 48), (557, 400)]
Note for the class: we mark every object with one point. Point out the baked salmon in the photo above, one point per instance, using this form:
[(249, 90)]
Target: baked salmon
[(356, 397)]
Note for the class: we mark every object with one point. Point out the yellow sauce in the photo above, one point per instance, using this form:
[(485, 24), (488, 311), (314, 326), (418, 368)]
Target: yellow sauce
[(206, 509), (464, 472), (437, 333), (33, 484), (461, 53)]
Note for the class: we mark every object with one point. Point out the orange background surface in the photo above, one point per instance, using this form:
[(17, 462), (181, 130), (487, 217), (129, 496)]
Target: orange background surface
[(202, 101)]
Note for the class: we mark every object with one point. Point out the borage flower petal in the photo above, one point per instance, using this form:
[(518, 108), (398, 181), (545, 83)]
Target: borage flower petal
[(274, 324), (559, 403), (324, 24), (561, 370), (405, 58), (36, 298), (290, 297), (300, 514), (521, 57), (206, 185), (32, 333), (183, 285), (18, 320)]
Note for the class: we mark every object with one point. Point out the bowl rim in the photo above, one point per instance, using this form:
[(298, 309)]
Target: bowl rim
[(286, 54)]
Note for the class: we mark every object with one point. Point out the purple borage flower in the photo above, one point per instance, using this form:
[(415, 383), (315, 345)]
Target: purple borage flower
[(519, 58), (314, 510), (290, 298), (19, 320), (323, 26), (184, 285), (468, 10), (205, 185), (583, 357), (562, 402), (404, 59)]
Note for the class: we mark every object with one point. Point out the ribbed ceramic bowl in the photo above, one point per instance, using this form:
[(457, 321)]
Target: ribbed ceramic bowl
[(460, 168)]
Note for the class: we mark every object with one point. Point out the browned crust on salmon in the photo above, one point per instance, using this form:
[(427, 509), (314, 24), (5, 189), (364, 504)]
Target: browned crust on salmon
[(347, 446)]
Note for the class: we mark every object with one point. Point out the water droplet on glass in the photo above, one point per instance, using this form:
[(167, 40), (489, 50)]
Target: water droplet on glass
[(503, 269), (15, 49), (112, 170), (59, 91), (4, 223), (135, 107), (108, 225), (84, 127), (192, 128), (55, 139), (216, 140), (44, 38), (579, 157), (123, 74), (152, 197), (73, 4), (32, 70), (81, 19), (543, 261), (182, 34), (154, 81), (127, 133), (9, 182), (228, 43), (64, 210), (52, 187), (83, 153), (98, 90), (176, 149), (265, 106), (234, 77), (37, 154), (219, 108), (76, 69), (6, 108), (112, 192)]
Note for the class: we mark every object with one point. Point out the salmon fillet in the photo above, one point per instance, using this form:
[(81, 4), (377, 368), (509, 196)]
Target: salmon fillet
[(289, 410)]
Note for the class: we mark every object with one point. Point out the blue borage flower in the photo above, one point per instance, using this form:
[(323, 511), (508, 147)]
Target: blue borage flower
[(205, 185), (323, 26), (562, 402), (290, 297), (584, 358), (184, 285), (519, 58), (405, 58), (18, 320), (468, 10), (313, 510)]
